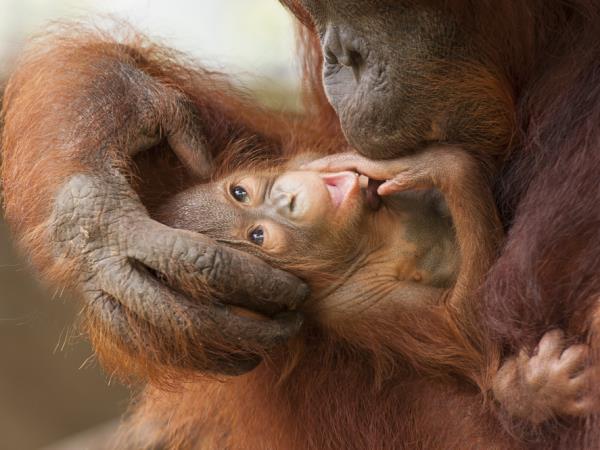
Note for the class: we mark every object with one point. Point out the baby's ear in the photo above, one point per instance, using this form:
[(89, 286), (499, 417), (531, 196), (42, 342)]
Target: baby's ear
[(302, 158)]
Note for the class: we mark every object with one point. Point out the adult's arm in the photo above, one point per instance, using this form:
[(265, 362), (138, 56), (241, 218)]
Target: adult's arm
[(78, 107)]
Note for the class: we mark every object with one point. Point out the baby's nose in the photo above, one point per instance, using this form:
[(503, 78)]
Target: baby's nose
[(284, 202)]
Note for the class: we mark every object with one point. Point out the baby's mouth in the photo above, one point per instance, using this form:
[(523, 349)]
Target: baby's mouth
[(340, 185), (372, 197)]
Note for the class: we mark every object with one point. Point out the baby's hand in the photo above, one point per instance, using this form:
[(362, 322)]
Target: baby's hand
[(553, 382), (430, 167)]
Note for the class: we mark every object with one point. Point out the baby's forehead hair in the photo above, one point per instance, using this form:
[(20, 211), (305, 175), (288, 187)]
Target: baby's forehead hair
[(266, 171), (250, 166)]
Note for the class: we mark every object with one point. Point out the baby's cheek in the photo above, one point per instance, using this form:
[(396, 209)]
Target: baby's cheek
[(277, 238)]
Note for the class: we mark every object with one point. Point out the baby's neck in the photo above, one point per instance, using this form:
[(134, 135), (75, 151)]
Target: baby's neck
[(409, 239)]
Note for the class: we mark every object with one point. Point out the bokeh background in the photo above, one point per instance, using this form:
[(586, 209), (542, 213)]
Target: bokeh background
[(51, 388)]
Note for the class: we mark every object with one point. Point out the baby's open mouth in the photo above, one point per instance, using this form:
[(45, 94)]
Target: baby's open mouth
[(340, 185), (372, 197)]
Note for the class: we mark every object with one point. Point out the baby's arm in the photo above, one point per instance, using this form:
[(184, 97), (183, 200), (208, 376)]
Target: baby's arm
[(552, 381), (533, 387), (457, 175)]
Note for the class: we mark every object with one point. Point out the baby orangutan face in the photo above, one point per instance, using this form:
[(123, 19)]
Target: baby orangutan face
[(295, 208), (288, 215), (326, 229)]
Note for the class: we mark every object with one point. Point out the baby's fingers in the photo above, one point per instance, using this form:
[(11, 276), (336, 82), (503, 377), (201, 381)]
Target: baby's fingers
[(377, 170), (411, 179)]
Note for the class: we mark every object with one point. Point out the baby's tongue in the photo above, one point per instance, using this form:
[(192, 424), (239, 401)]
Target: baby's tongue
[(373, 198)]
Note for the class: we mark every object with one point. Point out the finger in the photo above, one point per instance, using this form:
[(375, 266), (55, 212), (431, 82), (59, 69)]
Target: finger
[(523, 357), (378, 170), (551, 345), (192, 151), (172, 348), (404, 181), (200, 265), (582, 407), (323, 164), (391, 187), (506, 376), (575, 357), (174, 314), (582, 382)]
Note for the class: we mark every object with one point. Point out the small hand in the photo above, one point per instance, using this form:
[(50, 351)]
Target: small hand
[(553, 381), (423, 170)]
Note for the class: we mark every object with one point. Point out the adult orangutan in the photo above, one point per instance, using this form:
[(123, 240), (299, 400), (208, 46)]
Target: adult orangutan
[(512, 82), (388, 335)]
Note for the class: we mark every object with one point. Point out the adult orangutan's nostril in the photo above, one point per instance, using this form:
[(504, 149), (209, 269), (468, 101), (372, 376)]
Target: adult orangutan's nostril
[(330, 57), (342, 47), (332, 47), (348, 58), (353, 60), (356, 59)]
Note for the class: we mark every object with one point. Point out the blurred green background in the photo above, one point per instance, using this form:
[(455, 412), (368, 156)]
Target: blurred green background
[(51, 388)]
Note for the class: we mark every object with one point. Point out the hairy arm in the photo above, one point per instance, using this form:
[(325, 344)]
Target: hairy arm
[(455, 174), (535, 385), (77, 109)]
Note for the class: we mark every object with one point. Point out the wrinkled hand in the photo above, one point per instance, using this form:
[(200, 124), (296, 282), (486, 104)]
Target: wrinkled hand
[(431, 167), (555, 381), (122, 257), (167, 297)]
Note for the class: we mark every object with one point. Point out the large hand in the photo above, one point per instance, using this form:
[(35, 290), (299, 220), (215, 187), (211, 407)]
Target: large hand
[(173, 292), (74, 114), (121, 258)]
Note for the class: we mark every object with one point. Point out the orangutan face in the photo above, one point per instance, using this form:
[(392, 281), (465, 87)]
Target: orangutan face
[(295, 213), (402, 74), (295, 208)]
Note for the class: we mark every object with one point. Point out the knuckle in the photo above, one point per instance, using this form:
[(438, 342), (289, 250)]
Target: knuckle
[(578, 408), (553, 337), (505, 378), (576, 353), (89, 215), (214, 263)]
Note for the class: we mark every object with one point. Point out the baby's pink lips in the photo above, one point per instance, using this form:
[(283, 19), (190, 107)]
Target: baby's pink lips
[(340, 186)]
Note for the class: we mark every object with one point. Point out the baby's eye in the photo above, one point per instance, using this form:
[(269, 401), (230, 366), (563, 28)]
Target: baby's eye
[(257, 235), (240, 194)]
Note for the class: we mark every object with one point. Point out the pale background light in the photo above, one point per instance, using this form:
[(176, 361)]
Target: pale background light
[(240, 36)]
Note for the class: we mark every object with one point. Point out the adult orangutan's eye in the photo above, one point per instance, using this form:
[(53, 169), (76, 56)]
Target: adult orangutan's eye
[(257, 236), (240, 194)]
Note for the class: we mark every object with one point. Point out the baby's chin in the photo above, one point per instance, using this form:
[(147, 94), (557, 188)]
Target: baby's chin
[(349, 220)]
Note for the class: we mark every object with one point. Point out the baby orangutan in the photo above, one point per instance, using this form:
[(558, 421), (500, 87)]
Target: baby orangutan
[(391, 352)]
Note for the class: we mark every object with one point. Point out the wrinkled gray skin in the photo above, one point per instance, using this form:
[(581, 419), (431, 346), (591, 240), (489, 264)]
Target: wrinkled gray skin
[(390, 73), (376, 82), (114, 250), (122, 258)]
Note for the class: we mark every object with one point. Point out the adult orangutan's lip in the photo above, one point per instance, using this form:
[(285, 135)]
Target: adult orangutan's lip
[(340, 185)]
